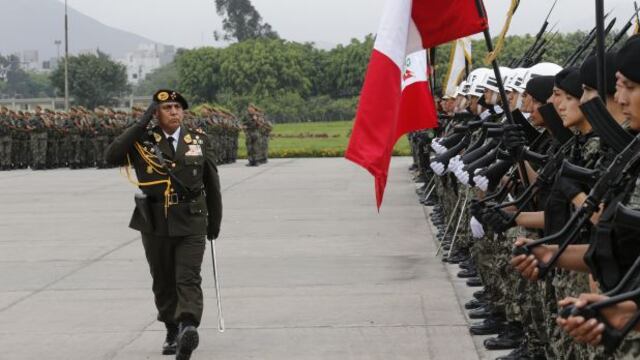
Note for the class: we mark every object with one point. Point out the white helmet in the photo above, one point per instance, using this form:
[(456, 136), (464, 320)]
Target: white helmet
[(463, 88), (541, 69), (491, 82), (515, 82), (477, 78)]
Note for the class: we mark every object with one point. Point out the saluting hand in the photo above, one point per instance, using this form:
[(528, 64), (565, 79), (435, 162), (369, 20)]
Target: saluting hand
[(148, 114)]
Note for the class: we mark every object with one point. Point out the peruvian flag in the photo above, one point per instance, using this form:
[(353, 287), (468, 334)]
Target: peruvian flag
[(395, 98)]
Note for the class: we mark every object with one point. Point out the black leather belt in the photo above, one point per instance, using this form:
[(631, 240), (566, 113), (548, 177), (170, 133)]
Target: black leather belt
[(179, 198)]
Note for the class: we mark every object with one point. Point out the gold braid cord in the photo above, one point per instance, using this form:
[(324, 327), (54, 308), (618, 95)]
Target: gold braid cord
[(150, 159), (503, 34)]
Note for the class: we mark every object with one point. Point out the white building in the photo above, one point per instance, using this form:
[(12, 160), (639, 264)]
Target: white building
[(145, 59)]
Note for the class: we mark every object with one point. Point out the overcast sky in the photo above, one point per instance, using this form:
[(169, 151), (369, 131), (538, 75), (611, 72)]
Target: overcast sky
[(190, 23)]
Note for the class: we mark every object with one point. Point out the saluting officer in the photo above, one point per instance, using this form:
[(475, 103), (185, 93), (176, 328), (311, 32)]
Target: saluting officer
[(180, 204)]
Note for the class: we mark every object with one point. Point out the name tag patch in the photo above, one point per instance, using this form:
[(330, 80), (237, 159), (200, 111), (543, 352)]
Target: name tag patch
[(194, 150)]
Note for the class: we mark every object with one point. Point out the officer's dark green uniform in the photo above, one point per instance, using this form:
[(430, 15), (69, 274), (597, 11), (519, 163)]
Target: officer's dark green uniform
[(178, 212)]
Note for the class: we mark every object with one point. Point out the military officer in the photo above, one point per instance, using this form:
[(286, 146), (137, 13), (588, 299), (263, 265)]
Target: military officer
[(180, 204)]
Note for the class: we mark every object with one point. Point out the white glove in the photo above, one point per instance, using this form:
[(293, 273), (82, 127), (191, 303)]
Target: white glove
[(462, 176), (485, 114), (437, 168), (477, 231), (439, 149), (435, 143), (481, 182), (454, 163)]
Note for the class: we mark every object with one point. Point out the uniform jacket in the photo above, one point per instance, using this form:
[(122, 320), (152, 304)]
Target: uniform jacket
[(193, 164)]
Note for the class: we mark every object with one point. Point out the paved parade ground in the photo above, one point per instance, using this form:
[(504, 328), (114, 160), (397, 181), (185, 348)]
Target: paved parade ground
[(309, 269)]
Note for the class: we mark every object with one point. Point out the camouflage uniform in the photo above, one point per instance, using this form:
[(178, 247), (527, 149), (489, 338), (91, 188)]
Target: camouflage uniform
[(38, 142), (5, 140)]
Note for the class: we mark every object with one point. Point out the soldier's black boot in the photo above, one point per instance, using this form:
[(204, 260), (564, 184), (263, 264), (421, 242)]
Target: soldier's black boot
[(510, 338), (171, 341), (188, 340)]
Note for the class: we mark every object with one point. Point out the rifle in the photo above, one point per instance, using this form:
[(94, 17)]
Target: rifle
[(586, 44), (625, 290), (625, 28), (610, 180), (543, 29)]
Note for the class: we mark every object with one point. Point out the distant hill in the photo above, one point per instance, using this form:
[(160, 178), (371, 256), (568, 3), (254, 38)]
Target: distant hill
[(36, 24)]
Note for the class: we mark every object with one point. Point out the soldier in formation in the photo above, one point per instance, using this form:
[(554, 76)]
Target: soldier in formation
[(46, 139), (539, 206), (223, 129), (257, 131)]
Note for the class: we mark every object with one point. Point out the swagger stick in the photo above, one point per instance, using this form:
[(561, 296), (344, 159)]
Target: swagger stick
[(217, 283)]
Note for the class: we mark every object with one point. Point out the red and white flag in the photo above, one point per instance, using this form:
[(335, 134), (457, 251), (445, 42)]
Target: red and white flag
[(390, 107)]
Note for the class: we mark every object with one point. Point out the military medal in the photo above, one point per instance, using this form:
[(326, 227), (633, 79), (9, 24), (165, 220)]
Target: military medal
[(157, 136), (149, 170), (188, 139)]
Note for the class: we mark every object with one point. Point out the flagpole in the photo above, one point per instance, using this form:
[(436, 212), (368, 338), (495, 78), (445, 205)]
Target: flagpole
[(501, 90)]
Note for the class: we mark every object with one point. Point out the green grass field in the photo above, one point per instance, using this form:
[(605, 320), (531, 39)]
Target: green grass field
[(313, 139)]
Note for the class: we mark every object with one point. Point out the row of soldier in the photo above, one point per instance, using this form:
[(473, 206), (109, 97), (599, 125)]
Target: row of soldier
[(77, 139), (540, 205)]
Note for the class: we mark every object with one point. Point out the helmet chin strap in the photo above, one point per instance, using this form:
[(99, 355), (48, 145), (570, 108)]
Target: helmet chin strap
[(519, 101), (494, 98)]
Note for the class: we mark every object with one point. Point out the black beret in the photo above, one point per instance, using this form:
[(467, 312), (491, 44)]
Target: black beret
[(164, 96), (570, 82), (562, 75), (541, 88), (589, 72), (628, 59)]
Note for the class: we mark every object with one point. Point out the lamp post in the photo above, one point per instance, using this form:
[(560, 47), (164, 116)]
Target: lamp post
[(66, 58)]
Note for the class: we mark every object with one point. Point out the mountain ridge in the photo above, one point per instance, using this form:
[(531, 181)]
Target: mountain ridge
[(44, 20)]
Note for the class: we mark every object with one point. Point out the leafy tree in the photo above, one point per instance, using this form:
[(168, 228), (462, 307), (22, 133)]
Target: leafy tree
[(266, 67), (93, 80), (242, 21), (199, 73), (344, 68), (21, 84)]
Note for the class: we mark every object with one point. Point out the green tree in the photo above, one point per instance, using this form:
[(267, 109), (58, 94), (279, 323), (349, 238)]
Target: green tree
[(93, 80), (344, 68), (199, 73), (22, 84), (266, 67), (242, 21)]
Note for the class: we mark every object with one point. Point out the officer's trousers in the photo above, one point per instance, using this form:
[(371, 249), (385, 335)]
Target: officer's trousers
[(175, 264)]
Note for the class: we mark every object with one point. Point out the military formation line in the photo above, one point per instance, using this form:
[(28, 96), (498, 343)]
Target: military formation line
[(77, 139), (540, 205)]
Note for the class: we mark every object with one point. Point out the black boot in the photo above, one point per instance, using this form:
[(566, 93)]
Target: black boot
[(474, 304), (481, 312), (521, 353), (489, 326), (468, 273), (170, 342), (510, 338), (474, 282), (188, 340)]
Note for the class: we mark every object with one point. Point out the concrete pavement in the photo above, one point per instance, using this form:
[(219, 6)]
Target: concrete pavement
[(309, 269)]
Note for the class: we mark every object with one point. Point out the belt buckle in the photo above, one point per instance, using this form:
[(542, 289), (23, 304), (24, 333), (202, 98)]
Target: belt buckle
[(173, 199)]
